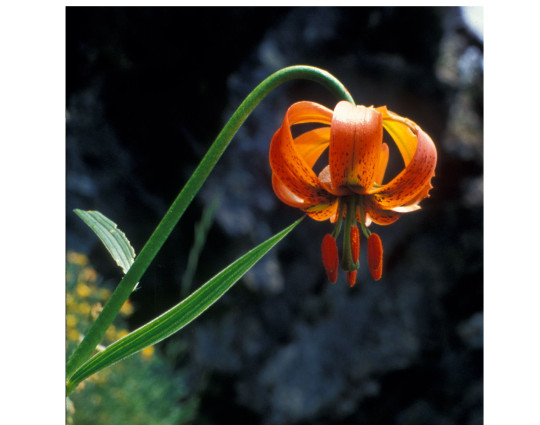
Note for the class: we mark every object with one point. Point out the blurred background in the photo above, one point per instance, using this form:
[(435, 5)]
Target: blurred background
[(148, 89)]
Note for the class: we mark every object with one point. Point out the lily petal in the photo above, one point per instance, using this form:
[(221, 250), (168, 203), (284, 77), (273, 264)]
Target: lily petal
[(326, 181), (319, 212), (323, 212), (312, 144), (355, 143), (286, 196), (414, 182), (383, 162), (403, 132), (303, 112), (380, 216), (286, 162)]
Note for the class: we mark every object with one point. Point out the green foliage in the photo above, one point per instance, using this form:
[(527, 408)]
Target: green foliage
[(143, 389), (201, 231), (78, 366), (135, 391), (113, 238), (180, 315)]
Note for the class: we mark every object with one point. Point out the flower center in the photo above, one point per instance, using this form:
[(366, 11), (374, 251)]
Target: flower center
[(351, 210)]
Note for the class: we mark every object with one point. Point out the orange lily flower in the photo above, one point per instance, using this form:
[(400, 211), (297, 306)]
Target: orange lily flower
[(351, 186)]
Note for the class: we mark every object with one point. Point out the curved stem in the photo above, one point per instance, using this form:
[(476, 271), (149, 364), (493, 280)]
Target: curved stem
[(171, 218)]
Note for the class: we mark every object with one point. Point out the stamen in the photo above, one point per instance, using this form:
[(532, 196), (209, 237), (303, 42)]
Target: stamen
[(355, 243), (375, 256), (351, 278), (330, 257)]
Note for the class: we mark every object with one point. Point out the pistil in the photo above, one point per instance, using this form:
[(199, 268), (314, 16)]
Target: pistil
[(348, 263)]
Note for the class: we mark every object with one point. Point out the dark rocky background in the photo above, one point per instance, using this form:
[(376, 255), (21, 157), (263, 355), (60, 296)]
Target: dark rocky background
[(148, 89)]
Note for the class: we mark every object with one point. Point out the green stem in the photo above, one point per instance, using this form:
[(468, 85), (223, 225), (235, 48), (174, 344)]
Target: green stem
[(337, 226), (171, 218)]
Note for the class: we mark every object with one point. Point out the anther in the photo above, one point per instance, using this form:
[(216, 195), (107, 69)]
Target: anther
[(355, 243), (375, 256), (351, 278), (330, 257)]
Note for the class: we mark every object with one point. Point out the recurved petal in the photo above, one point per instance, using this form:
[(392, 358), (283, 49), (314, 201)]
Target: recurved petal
[(317, 211), (287, 163), (380, 216), (413, 183), (312, 144), (292, 170), (383, 217), (286, 196), (303, 112), (382, 164), (355, 143), (403, 132), (323, 212)]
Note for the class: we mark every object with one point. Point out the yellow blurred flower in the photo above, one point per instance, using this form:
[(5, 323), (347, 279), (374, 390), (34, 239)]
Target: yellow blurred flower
[(77, 258), (104, 294), (71, 320), (110, 334), (83, 290), (127, 308), (84, 303), (122, 333), (83, 308), (88, 274), (147, 352), (73, 334)]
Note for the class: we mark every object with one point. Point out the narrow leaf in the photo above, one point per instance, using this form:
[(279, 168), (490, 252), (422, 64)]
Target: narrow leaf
[(112, 237), (179, 316), (201, 231)]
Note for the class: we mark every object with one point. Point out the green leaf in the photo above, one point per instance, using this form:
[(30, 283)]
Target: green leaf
[(201, 231), (112, 237), (184, 198), (179, 316)]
